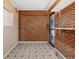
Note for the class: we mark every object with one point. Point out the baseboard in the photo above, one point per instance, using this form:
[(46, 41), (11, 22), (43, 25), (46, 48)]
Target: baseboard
[(10, 50), (58, 54), (33, 42)]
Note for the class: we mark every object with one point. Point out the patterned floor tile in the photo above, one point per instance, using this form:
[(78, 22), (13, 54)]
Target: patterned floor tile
[(31, 51)]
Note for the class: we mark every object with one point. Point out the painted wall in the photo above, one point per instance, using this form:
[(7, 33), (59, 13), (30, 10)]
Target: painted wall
[(10, 33), (33, 26)]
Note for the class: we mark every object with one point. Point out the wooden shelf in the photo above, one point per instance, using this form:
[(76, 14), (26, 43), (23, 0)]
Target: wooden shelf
[(66, 28)]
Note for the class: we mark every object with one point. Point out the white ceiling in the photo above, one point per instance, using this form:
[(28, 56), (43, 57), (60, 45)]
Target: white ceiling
[(62, 5), (33, 4)]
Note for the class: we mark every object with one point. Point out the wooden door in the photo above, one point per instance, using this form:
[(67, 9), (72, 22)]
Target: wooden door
[(34, 28)]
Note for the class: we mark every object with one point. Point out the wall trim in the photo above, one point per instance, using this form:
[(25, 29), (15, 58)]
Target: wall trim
[(54, 5), (32, 9), (33, 42)]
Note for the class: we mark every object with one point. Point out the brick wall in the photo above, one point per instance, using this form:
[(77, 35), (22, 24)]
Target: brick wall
[(57, 20), (65, 42), (65, 18), (65, 38), (68, 16)]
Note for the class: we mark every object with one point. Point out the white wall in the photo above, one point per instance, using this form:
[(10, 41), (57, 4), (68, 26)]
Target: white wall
[(10, 33)]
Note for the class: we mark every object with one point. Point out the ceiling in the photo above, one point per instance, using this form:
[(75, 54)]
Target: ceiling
[(62, 5), (33, 4)]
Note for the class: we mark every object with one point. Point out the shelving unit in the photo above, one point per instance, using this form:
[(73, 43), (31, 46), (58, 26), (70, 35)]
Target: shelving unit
[(65, 28), (65, 31)]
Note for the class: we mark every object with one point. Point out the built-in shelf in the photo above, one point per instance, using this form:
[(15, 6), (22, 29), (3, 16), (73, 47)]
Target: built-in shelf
[(66, 28)]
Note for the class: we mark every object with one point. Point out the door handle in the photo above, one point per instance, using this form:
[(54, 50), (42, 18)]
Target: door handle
[(47, 26)]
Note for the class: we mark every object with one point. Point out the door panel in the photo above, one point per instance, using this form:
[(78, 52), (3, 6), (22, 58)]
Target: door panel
[(52, 30), (34, 28)]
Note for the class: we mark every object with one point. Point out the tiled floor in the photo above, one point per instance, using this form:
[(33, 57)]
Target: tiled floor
[(32, 51)]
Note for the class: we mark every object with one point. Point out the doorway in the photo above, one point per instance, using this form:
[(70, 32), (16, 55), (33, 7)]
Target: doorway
[(52, 34)]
